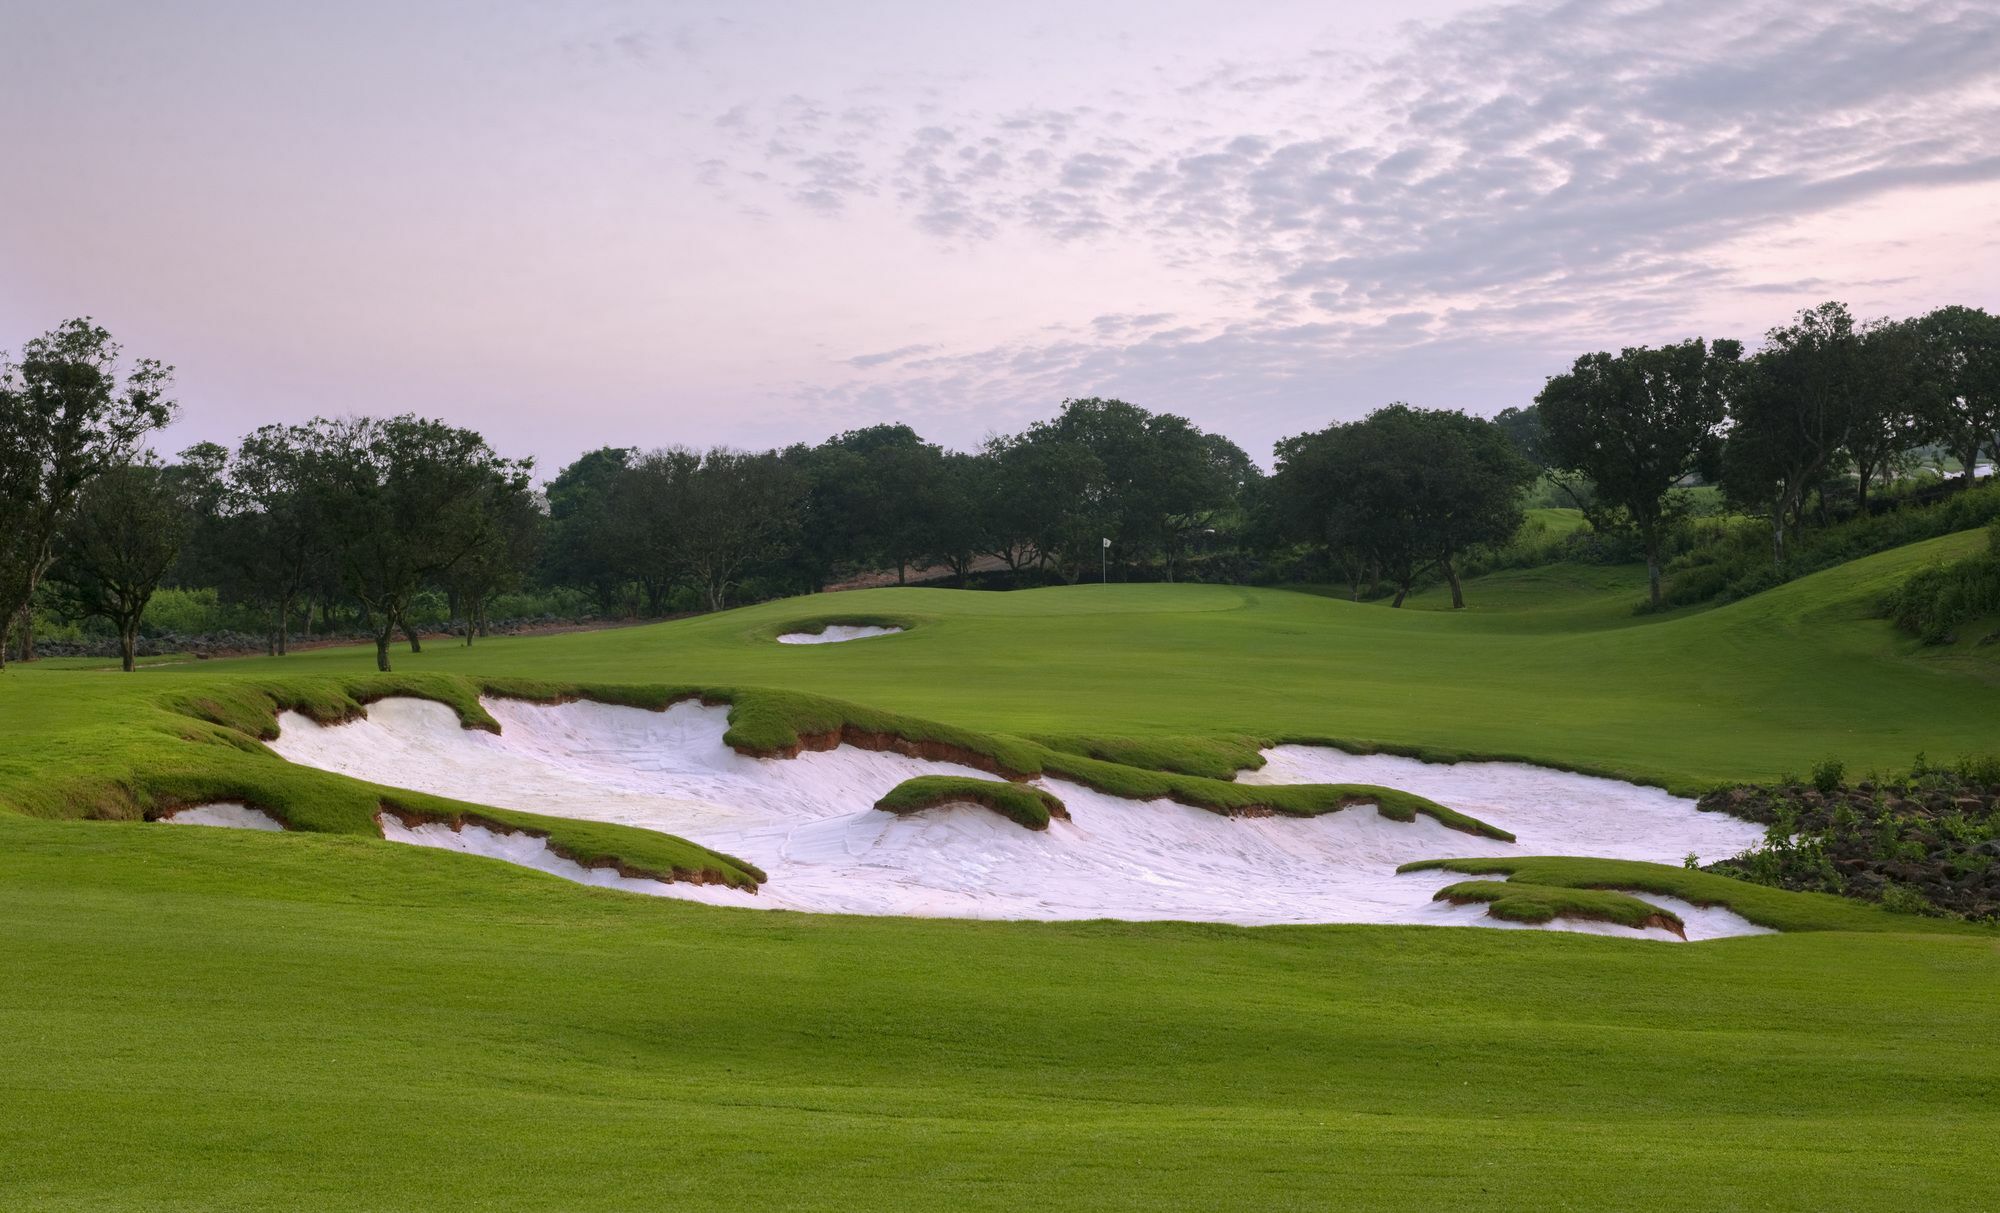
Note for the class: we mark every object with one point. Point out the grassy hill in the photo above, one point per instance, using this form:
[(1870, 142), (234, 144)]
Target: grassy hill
[(203, 1019), (1548, 665)]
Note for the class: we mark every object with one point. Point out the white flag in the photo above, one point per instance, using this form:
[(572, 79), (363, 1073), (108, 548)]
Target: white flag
[(1107, 543)]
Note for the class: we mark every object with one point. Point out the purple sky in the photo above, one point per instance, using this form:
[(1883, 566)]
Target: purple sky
[(586, 223)]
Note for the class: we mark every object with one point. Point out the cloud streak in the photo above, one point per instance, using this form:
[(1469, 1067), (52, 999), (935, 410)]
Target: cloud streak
[(1519, 172)]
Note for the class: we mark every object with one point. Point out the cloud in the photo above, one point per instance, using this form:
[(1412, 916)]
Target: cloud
[(865, 361), (1500, 180)]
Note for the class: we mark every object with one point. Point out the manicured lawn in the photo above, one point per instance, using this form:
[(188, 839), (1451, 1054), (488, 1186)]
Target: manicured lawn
[(200, 1018), (203, 1019), (1742, 692)]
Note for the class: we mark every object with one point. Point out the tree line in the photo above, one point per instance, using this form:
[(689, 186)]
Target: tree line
[(353, 519)]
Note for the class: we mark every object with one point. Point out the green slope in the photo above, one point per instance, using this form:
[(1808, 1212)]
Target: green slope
[(1743, 692)]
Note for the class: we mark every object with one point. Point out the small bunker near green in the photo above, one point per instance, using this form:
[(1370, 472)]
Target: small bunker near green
[(837, 633), (223, 813), (1046, 848)]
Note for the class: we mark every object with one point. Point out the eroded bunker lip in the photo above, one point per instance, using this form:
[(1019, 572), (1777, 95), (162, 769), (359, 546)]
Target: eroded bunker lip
[(811, 824)]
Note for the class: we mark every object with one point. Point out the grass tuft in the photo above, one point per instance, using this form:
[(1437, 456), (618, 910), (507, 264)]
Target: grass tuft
[(1023, 805)]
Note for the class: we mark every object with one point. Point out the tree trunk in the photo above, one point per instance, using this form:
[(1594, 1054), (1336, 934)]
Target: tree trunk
[(128, 644), (382, 650), (1653, 571), (1970, 458), (1402, 592), (1778, 535), (27, 626), (1457, 591), (284, 625), (902, 572), (1862, 471), (416, 642)]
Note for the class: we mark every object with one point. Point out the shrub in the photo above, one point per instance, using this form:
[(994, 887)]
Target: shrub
[(1931, 603), (1829, 775), (1732, 559)]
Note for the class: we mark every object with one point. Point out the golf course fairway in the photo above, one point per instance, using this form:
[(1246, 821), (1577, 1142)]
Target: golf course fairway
[(204, 1018)]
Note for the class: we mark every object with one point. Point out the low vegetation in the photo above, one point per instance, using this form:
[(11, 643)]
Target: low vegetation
[(1934, 603), (1925, 842)]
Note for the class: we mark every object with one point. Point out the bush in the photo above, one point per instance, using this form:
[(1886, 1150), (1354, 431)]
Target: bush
[(1828, 776), (1733, 559), (1932, 602)]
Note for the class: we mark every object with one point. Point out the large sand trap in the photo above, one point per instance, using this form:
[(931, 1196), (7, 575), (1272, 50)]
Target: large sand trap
[(224, 813), (808, 822), (834, 633)]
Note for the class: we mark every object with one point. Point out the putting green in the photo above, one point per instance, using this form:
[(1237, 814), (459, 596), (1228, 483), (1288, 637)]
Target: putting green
[(202, 1018)]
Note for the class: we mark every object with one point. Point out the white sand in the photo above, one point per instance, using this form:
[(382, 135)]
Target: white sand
[(224, 813), (836, 633), (808, 822), (1550, 812)]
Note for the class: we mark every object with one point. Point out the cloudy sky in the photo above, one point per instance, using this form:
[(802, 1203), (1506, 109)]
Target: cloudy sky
[(572, 224)]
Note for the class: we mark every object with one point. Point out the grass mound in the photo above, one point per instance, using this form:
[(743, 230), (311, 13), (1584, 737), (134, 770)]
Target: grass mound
[(1025, 806), (643, 854), (1767, 907), (1516, 901), (1208, 757)]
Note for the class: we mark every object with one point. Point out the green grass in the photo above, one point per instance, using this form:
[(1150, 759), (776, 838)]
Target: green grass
[(1025, 806), (204, 1019), (200, 1018), (1518, 901), (1767, 907), (1743, 692)]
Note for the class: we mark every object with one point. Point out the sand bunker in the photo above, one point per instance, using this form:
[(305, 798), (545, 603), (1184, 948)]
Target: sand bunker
[(224, 813), (808, 822), (1550, 812), (834, 633)]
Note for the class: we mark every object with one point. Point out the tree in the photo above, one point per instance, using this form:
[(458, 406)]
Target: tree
[(1524, 428), (270, 538), (958, 528), (510, 526), (1190, 478), (643, 526), (1306, 501), (1795, 412), (1962, 359), (582, 549), (124, 534), (406, 498), (66, 415), (874, 493), (1891, 399), (731, 511), (1048, 499), (1621, 432), (1407, 490)]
